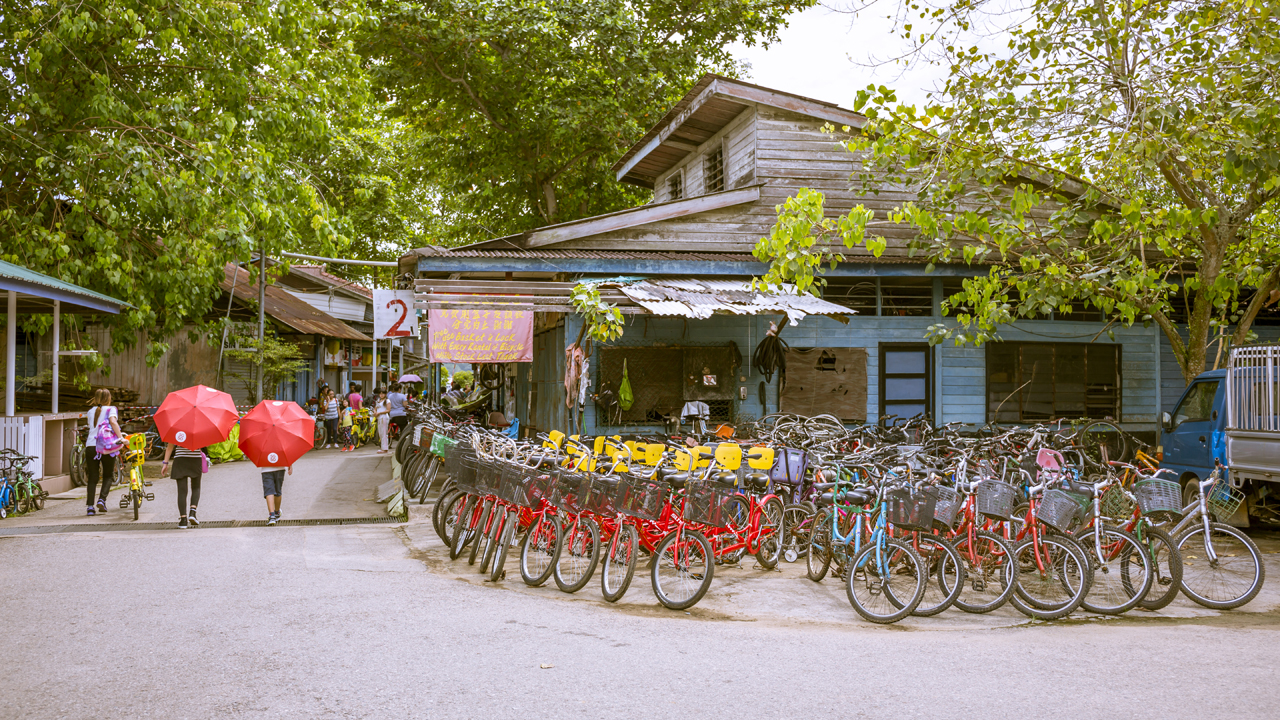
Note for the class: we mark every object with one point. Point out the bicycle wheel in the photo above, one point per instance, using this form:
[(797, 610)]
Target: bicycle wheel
[(1121, 577), (682, 569), (737, 516), (137, 502), (946, 575), (1103, 441), (796, 521), (818, 559), (483, 528), (579, 553), (1050, 577), (1166, 569), (770, 548), (619, 563), (463, 525), (885, 581), (20, 493), (497, 526), (321, 434), (509, 527), (445, 515), (429, 477), (1228, 582), (988, 572), (539, 551), (77, 465)]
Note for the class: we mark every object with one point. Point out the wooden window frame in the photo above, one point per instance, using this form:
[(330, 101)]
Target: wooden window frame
[(678, 176), (928, 376), (1019, 381), (707, 165)]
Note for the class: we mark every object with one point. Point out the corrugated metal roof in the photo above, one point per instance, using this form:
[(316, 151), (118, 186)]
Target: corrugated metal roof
[(585, 254), (288, 309), (697, 298), (318, 272), (29, 276)]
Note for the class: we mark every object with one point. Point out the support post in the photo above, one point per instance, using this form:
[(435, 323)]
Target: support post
[(375, 361), (262, 317), (57, 355), (10, 355)]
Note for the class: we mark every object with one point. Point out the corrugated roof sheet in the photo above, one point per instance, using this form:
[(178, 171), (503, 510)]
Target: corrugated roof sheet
[(27, 275), (288, 309), (318, 272), (585, 254), (696, 298)]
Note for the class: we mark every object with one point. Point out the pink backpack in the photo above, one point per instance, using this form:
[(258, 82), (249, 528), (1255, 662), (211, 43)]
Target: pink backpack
[(105, 439)]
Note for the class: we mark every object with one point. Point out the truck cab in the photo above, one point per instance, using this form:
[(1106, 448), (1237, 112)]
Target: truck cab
[(1194, 434)]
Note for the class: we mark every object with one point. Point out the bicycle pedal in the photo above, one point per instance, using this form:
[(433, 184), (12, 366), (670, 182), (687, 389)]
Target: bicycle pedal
[(150, 496), (148, 484)]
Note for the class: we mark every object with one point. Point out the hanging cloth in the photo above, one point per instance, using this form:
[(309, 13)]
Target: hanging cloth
[(625, 397), (573, 357)]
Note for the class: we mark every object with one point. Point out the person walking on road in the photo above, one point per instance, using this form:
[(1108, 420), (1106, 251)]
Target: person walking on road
[(188, 466), (355, 398), (272, 483), (345, 415), (329, 405), (100, 468), (382, 413), (397, 400)]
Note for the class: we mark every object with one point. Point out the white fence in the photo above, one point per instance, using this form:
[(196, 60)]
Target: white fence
[(25, 435)]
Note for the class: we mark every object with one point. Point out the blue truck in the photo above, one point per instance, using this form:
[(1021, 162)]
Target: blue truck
[(1233, 416)]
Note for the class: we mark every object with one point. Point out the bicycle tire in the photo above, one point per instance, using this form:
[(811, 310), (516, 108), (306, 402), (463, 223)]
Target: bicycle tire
[(137, 503), (509, 526), (443, 512), (1166, 567), (1104, 434), (403, 445), (770, 549), (818, 559), (578, 556), (320, 436), (988, 565), (541, 544), (497, 528), (696, 576), (1039, 595), (409, 477), (462, 527), (1193, 562), (20, 497), (946, 575), (1116, 590), (482, 531), (619, 565), (78, 477), (796, 522), (431, 473), (863, 573)]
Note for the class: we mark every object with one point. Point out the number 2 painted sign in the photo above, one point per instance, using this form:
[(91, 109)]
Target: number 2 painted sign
[(394, 330), (393, 314)]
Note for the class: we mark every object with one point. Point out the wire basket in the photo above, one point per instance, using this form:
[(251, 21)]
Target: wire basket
[(910, 510), (568, 490), (488, 476), (1058, 509), (1159, 499), (996, 499), (467, 467), (1116, 503), (512, 480), (600, 496), (1223, 500), (705, 502), (640, 497), (946, 507)]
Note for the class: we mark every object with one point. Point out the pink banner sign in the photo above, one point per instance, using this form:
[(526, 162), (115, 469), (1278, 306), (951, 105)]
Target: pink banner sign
[(481, 336)]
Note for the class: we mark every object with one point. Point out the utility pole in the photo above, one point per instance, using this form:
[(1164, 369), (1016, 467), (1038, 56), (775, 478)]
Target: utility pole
[(262, 317)]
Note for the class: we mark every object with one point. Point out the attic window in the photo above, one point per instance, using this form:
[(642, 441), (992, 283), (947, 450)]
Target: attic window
[(714, 170), (675, 185)]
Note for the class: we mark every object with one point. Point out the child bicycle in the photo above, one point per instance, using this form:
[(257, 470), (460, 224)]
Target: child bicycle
[(134, 454)]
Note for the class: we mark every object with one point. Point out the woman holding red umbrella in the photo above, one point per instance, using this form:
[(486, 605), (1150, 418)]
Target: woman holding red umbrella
[(188, 467), (189, 420)]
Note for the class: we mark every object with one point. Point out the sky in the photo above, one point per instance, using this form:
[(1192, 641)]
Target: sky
[(825, 55)]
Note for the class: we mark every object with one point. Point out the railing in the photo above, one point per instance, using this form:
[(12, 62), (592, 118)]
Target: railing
[(1253, 389)]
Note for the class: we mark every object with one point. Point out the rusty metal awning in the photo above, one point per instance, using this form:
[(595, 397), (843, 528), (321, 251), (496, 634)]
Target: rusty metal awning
[(287, 309), (678, 297)]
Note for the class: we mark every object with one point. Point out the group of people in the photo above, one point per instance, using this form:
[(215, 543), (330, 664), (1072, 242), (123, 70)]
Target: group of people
[(338, 414)]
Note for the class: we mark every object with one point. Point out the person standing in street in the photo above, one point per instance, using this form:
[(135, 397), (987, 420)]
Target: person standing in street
[(396, 400), (355, 398), (329, 405), (382, 413), (188, 467), (345, 415), (100, 467), (272, 484)]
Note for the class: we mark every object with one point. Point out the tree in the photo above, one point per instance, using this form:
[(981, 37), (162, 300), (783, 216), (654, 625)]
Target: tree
[(1115, 155), (524, 105), (148, 142), (278, 361)]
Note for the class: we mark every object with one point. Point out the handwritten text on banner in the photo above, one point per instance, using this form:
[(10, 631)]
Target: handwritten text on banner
[(481, 336)]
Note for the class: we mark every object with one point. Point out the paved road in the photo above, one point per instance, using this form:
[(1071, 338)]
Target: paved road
[(324, 484), (372, 622)]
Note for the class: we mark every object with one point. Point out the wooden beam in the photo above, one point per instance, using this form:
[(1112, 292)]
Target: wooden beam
[(495, 287), (642, 216), (630, 310), (838, 116), (511, 299), (671, 127)]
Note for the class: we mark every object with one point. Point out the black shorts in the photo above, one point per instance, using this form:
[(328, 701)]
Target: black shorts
[(272, 482), (397, 424)]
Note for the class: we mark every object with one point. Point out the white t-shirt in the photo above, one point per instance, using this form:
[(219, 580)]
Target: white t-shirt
[(95, 416)]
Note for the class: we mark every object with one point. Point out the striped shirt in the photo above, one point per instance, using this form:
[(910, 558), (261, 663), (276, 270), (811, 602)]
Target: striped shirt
[(181, 452)]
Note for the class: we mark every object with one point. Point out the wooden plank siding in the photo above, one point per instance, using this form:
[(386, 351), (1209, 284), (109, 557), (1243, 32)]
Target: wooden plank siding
[(738, 141)]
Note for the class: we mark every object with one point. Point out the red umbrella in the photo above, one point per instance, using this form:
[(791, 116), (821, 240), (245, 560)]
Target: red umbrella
[(196, 417), (276, 433)]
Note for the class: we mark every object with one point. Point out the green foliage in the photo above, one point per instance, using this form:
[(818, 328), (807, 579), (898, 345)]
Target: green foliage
[(1094, 154), (794, 262), (148, 142), (525, 104), (602, 322), (464, 379), (280, 361)]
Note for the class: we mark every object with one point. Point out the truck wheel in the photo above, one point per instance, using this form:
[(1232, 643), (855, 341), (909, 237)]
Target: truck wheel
[(1190, 489)]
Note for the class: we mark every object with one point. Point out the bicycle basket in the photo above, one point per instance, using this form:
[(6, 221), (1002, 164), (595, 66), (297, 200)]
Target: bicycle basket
[(511, 485), (910, 510), (488, 476), (1223, 500), (442, 445), (600, 496), (789, 466), (946, 506), (567, 490), (996, 499), (640, 497), (1159, 499), (466, 468), (705, 502), (1116, 504), (425, 436), (1058, 510)]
